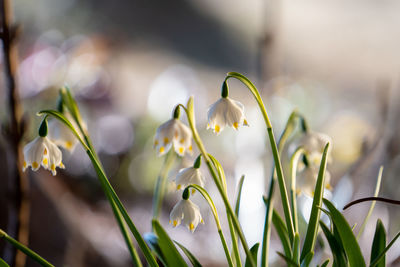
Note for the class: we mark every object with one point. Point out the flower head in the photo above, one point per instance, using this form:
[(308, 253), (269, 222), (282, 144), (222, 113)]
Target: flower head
[(61, 135), (225, 112), (314, 144), (188, 212), (173, 132), (42, 151), (307, 179), (189, 176)]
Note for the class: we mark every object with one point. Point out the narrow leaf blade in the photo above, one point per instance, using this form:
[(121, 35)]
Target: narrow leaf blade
[(379, 244), (254, 251), (189, 254)]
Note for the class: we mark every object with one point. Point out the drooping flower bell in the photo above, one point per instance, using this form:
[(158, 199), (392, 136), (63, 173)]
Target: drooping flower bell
[(225, 112), (42, 151), (187, 212), (190, 175), (314, 144), (173, 133)]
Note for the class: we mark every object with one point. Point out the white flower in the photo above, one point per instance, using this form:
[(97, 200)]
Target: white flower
[(189, 176), (61, 135), (307, 179), (187, 211), (314, 144), (42, 151), (173, 132), (225, 112)]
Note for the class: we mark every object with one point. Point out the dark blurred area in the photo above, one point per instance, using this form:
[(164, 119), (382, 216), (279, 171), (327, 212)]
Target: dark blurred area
[(130, 62)]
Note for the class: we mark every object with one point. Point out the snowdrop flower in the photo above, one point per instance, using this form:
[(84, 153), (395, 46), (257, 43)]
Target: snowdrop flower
[(188, 212), (307, 179), (173, 132), (225, 112), (61, 135), (42, 151), (191, 175)]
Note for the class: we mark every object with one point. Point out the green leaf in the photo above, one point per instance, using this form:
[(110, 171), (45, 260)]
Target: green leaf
[(289, 261), (307, 259), (325, 263), (379, 244), (339, 256), (254, 251), (282, 233), (189, 254), (347, 237), (152, 241), (296, 248), (171, 254), (376, 261), (3, 263), (239, 194), (312, 229)]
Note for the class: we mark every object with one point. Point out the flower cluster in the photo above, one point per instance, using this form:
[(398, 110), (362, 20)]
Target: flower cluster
[(224, 112)]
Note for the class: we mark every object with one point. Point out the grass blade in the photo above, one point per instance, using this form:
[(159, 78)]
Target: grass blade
[(282, 233), (312, 229), (339, 256), (377, 260), (189, 254), (347, 237), (254, 251), (171, 254), (379, 244)]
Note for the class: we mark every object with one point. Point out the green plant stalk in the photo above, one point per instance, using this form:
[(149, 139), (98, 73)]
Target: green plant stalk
[(268, 221), (230, 212), (293, 168), (108, 188), (277, 161), (312, 229), (371, 208), (33, 255), (210, 202), (159, 190)]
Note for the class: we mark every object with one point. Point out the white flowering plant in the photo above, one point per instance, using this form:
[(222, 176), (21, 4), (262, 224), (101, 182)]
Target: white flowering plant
[(308, 175)]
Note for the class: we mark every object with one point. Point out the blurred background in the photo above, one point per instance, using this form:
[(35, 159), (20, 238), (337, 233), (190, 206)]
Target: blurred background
[(130, 62)]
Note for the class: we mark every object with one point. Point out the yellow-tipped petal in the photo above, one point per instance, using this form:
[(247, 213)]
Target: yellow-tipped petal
[(175, 223), (53, 167), (45, 161), (161, 149), (156, 142), (178, 187), (181, 149), (202, 221), (245, 123), (62, 165), (25, 164), (182, 141), (193, 191), (166, 140), (68, 144), (236, 125), (35, 165), (45, 151), (190, 148), (217, 128), (191, 226), (329, 187)]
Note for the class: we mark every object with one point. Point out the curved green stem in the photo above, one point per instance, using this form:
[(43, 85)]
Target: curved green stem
[(210, 202), (33, 255), (278, 165), (190, 114), (294, 160), (115, 203)]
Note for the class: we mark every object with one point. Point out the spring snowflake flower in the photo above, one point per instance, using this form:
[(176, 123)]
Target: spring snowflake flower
[(42, 151), (61, 135), (191, 175), (173, 132), (314, 144), (307, 179), (188, 212)]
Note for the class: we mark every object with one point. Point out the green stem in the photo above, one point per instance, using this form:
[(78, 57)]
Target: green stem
[(210, 202), (33, 255), (293, 168), (190, 114), (277, 161), (268, 220), (159, 190)]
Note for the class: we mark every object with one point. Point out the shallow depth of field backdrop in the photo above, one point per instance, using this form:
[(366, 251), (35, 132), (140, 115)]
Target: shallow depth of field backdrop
[(129, 62)]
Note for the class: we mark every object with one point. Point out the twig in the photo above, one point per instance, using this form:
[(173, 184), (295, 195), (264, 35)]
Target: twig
[(387, 200), (18, 187)]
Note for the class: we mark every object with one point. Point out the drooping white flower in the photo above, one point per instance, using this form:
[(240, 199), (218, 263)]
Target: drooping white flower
[(42, 151), (225, 112), (307, 179), (173, 132), (188, 212), (314, 144), (187, 176), (61, 135)]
